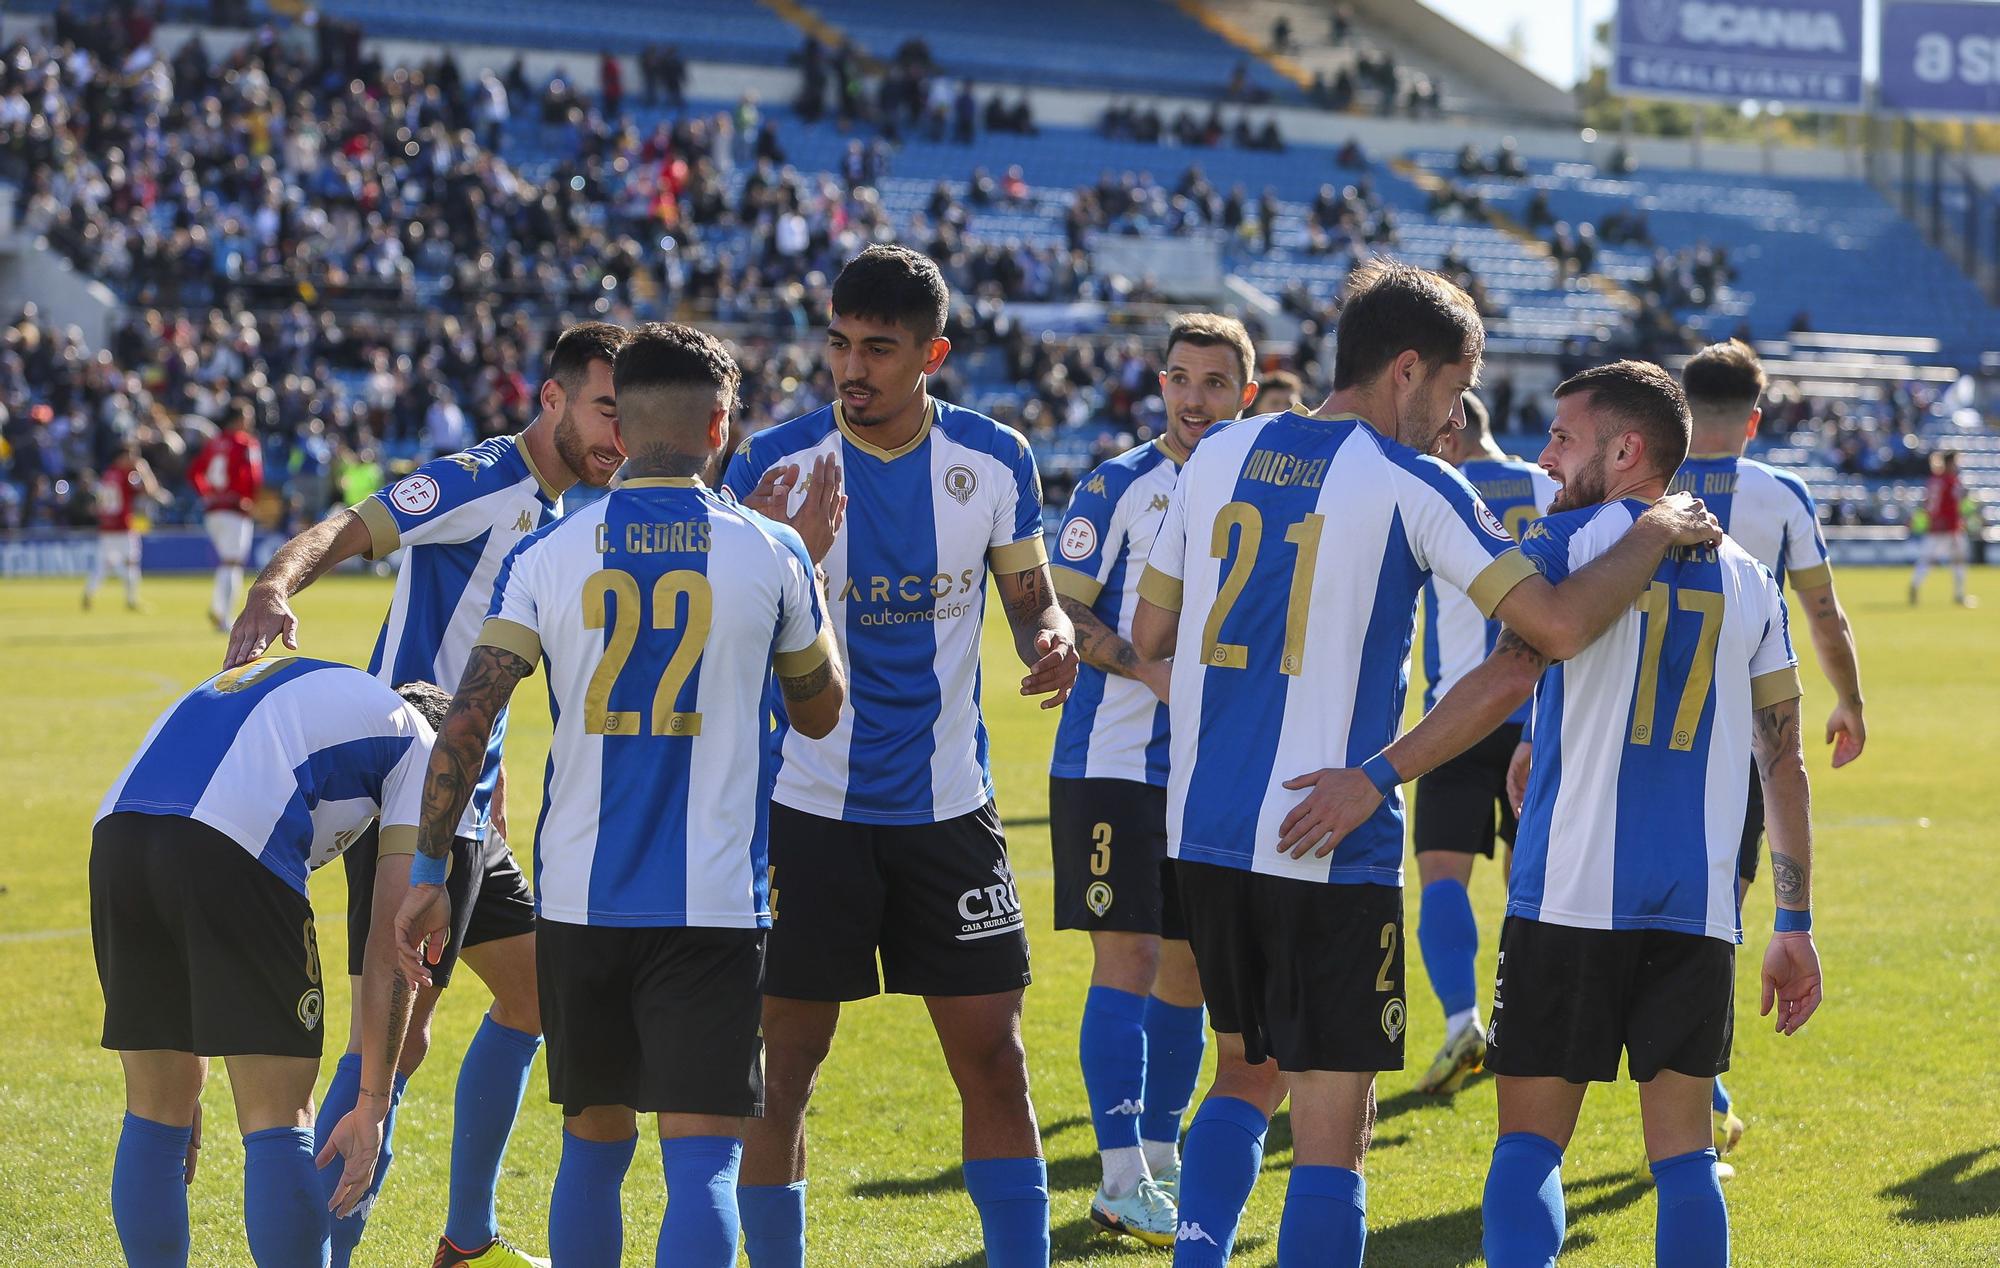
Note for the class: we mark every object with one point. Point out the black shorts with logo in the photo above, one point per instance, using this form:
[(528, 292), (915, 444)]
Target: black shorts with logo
[(200, 948), (1567, 1001), (1462, 805), (1753, 828), (664, 1020), (1307, 972), (490, 899), (1109, 840), (935, 900)]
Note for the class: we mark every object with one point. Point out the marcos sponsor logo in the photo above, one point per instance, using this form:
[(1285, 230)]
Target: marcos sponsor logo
[(895, 600)]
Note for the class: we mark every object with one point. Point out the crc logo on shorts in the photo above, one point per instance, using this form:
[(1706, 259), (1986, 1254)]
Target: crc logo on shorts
[(1487, 520), (311, 1005), (960, 482), (415, 495), (1079, 539), (990, 910), (1097, 898), (1393, 1017)]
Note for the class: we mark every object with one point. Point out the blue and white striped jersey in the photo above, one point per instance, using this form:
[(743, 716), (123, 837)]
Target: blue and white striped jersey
[(1634, 811), (1112, 727), (1456, 635), (1293, 549), (1769, 512), (906, 582), (455, 518), (290, 758), (659, 612)]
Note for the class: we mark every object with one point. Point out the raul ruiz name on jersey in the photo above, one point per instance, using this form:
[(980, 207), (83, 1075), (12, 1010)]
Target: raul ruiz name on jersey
[(678, 537), (895, 599)]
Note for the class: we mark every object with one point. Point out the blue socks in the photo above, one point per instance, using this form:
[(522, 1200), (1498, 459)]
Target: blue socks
[(586, 1223), (490, 1084), (774, 1224), (1112, 1049), (1449, 938), (1523, 1208), (1718, 1099), (1175, 1037), (700, 1227), (283, 1212), (1692, 1229), (1325, 1223), (1012, 1195), (149, 1193), (1225, 1146), (341, 1095)]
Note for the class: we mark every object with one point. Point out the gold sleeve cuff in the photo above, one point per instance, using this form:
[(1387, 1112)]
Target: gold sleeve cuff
[(1021, 556), (399, 839), (1498, 580), (1812, 578), (1775, 687), (383, 535), (1072, 584), (1160, 590), (804, 661), (511, 636)]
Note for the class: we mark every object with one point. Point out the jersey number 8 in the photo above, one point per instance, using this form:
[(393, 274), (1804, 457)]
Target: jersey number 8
[(607, 583)]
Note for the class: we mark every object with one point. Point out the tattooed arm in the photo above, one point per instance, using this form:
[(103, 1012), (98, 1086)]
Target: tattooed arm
[(813, 698), (1791, 963), (1833, 640), (1098, 645), (1042, 633)]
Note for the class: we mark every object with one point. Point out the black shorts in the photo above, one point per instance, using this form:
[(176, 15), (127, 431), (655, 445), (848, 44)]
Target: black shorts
[(200, 948), (664, 1020), (1753, 828), (1567, 1001), (1462, 805), (1307, 972), (936, 900), (490, 899), (1109, 839)]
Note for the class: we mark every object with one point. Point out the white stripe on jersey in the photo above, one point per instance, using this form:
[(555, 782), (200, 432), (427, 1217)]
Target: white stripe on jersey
[(1457, 637)]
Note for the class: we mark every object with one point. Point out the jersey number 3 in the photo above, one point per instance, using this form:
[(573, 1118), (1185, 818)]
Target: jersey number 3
[(1248, 522), (608, 583)]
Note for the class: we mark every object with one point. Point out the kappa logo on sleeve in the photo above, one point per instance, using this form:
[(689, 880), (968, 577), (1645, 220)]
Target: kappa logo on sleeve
[(415, 495)]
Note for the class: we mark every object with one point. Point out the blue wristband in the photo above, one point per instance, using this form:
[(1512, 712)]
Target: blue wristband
[(425, 870), (1790, 921), (1382, 773)]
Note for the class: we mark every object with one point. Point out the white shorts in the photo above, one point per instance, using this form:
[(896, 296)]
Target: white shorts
[(118, 551), (1945, 547), (230, 533)]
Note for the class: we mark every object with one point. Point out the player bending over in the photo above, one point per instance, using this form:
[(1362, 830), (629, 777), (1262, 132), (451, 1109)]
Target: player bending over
[(662, 613), (205, 945)]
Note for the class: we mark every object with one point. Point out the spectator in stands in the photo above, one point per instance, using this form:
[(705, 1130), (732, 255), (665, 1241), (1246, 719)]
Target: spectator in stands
[(611, 84), (1538, 215), (964, 114), (1277, 391), (1281, 35), (811, 101), (1351, 155)]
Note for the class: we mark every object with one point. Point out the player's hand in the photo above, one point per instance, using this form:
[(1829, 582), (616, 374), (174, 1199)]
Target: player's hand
[(1055, 671), (266, 616), (1158, 675), (193, 1149), (1684, 515), (1340, 802), (423, 925), (357, 1139), (820, 513), (496, 809), (1517, 775), (1791, 979), (1846, 732)]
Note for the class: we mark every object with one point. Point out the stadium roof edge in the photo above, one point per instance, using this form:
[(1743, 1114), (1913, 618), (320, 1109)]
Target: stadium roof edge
[(1466, 54)]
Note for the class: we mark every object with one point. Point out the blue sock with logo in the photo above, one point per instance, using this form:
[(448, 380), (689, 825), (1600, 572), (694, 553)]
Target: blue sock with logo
[(1326, 1219), (586, 1222), (149, 1205), (1523, 1206), (1449, 938), (1225, 1146), (1012, 1195), (1692, 1226), (283, 1213), (1718, 1099), (774, 1224), (347, 1232), (1175, 1036), (490, 1085), (1112, 1048), (700, 1228)]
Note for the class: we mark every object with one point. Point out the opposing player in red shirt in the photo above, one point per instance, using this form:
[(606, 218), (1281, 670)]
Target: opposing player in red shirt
[(1945, 534), (119, 488), (228, 475)]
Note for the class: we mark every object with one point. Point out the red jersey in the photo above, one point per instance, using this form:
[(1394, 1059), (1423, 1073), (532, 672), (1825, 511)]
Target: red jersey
[(117, 493), (229, 472), (1942, 499)]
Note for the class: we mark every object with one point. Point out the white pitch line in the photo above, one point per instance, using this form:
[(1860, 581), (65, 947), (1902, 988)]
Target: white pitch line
[(41, 935)]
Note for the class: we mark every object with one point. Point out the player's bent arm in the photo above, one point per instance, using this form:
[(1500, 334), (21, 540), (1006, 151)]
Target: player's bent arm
[(1476, 705), (1791, 972), (459, 754), (815, 686), (1156, 621), (1564, 619), (384, 1007), (1833, 640), (267, 610), (1043, 635)]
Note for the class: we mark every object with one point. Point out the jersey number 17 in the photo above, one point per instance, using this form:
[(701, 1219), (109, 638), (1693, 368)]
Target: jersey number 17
[(1653, 605)]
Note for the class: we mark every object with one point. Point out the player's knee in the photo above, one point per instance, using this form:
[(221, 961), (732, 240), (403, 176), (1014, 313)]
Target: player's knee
[(1126, 962), (994, 1066), (518, 1006)]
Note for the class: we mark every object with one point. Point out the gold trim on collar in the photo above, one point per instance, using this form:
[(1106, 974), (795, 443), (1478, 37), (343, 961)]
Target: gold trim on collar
[(1710, 457), (1175, 454), (548, 490), (664, 482), (868, 447), (1330, 418)]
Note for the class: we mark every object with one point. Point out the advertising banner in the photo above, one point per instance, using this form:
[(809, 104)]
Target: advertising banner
[(1941, 58), (1801, 52)]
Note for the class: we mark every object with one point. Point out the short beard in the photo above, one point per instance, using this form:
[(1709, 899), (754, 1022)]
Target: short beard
[(1586, 488), (575, 454)]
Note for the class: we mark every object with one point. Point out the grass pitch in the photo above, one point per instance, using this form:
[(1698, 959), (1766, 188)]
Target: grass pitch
[(1874, 1135)]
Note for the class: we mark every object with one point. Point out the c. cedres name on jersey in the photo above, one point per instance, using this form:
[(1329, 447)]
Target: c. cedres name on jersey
[(678, 537)]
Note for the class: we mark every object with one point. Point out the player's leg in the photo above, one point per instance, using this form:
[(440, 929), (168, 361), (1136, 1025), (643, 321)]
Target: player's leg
[(771, 1193), (1958, 553), (1004, 1171), (1522, 1208), (587, 979), (492, 1080), (1176, 1034), (222, 534), (100, 560), (1460, 812), (586, 1217), (1679, 1030), (701, 1155), (1325, 1219), (1111, 1048), (1693, 1222), (1926, 547), (156, 1149), (284, 1216), (132, 561)]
